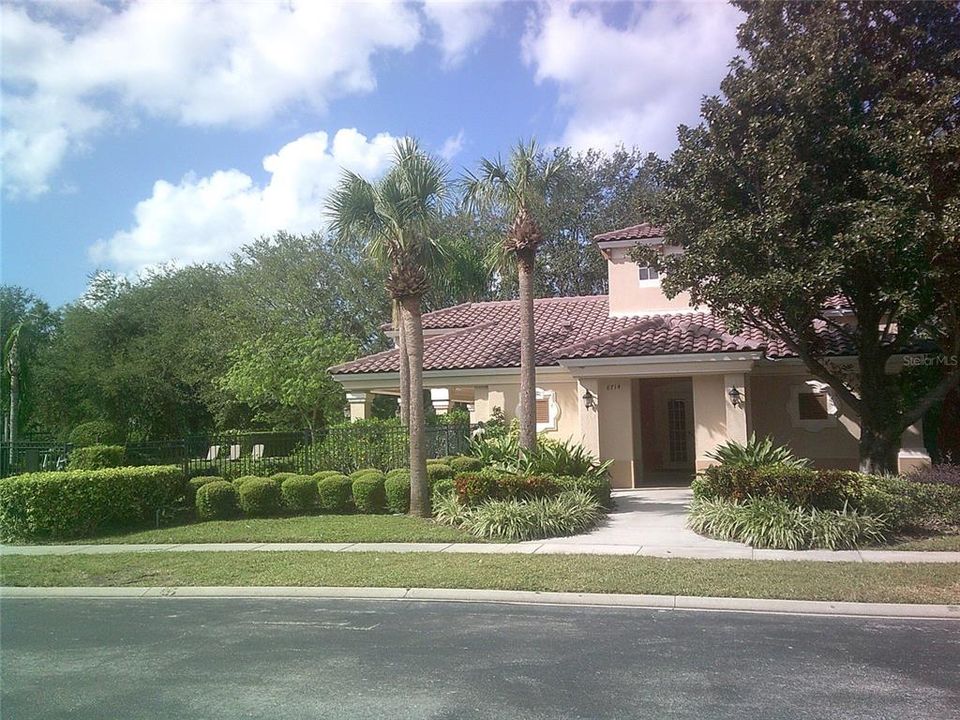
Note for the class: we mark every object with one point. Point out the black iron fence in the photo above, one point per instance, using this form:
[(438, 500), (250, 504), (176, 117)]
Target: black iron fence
[(345, 448)]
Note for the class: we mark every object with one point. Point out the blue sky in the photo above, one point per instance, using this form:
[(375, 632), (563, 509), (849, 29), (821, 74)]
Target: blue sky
[(145, 133)]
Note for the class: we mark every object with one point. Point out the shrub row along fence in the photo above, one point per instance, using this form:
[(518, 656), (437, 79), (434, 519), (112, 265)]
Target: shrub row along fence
[(345, 449)]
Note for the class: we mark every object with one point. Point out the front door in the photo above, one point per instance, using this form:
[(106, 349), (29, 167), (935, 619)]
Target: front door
[(679, 444)]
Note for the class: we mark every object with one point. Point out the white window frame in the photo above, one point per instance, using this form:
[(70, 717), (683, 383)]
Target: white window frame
[(793, 406), (648, 281)]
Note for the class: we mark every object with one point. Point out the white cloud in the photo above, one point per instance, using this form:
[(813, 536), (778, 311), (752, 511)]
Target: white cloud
[(462, 25), (452, 146), (206, 219), (631, 85), (69, 69)]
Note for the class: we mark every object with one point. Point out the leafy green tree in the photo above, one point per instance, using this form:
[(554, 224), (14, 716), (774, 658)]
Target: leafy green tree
[(830, 168), (521, 188), (398, 217), (284, 376)]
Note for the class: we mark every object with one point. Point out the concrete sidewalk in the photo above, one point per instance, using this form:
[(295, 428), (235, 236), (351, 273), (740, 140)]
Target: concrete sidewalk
[(559, 546)]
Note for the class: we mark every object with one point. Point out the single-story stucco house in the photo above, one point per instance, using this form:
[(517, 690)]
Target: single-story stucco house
[(649, 382)]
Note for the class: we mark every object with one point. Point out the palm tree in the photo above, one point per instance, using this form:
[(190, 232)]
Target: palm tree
[(11, 353), (398, 218), (520, 188)]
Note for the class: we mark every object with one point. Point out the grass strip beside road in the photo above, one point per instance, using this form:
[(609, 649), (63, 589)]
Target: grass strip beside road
[(928, 544), (855, 582), (306, 528)]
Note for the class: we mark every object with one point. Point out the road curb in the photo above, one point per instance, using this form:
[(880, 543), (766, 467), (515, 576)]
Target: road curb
[(658, 602)]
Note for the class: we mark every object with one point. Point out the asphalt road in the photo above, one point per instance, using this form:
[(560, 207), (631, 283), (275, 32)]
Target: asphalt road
[(287, 659)]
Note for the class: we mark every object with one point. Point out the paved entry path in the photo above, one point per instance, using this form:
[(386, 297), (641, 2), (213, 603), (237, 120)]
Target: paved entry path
[(656, 520)]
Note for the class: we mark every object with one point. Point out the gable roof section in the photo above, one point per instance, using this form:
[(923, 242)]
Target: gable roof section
[(643, 231), (487, 335)]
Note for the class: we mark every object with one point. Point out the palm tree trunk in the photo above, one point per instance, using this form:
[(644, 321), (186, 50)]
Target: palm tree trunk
[(413, 339), (528, 366), (404, 369), (14, 404)]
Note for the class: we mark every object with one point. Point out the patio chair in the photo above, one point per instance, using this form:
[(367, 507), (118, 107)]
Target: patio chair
[(257, 453), (213, 453), (234, 452)]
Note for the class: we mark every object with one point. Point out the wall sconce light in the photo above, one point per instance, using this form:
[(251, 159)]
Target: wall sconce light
[(589, 400), (736, 397)]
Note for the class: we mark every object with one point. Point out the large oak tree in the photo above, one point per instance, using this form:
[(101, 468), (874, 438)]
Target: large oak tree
[(830, 167)]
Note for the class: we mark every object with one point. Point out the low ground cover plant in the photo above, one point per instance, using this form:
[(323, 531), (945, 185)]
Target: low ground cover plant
[(78, 503), (775, 523), (515, 519)]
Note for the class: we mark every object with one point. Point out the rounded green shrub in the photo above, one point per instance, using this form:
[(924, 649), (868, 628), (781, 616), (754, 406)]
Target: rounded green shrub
[(260, 497), (368, 494), (334, 493), (96, 457), (439, 471), (216, 500), (299, 493), (397, 491), (238, 482), (194, 484), (281, 476), (326, 473), (365, 471), (95, 432), (464, 463), (399, 473)]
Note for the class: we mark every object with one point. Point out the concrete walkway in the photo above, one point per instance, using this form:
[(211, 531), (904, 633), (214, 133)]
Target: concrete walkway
[(647, 522)]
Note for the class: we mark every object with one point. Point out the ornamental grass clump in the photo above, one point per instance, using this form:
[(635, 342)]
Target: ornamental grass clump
[(775, 523), (521, 519)]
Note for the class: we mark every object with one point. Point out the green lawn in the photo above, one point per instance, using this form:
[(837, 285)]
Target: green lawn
[(916, 583), (306, 528), (936, 542)]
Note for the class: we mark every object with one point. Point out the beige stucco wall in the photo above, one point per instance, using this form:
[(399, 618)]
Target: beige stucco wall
[(628, 296), (616, 420), (710, 416), (830, 447)]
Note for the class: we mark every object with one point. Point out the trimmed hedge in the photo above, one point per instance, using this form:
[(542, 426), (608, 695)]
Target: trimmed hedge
[(281, 476), (260, 497), (439, 471), (334, 493), (399, 473), (96, 457), (299, 493), (397, 491), (368, 494), (76, 503), (326, 473), (473, 488), (799, 486), (362, 472), (217, 500), (465, 463), (526, 487)]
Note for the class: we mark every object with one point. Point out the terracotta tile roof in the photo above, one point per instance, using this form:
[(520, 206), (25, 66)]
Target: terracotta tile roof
[(487, 335), (634, 232)]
